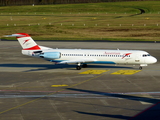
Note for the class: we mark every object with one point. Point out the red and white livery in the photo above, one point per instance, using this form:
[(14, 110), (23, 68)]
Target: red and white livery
[(83, 56)]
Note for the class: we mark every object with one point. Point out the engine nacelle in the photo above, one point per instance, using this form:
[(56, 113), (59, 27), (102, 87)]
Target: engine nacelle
[(50, 55)]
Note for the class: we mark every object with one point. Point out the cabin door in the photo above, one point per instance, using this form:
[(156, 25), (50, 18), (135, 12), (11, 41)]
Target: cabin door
[(137, 58)]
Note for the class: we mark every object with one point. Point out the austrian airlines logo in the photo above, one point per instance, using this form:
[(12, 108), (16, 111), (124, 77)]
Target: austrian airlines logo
[(26, 41), (125, 55)]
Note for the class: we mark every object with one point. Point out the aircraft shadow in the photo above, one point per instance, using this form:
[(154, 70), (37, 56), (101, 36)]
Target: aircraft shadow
[(129, 97), (52, 66), (105, 115)]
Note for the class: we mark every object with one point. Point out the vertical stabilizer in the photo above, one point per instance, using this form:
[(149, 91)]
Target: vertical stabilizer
[(27, 42)]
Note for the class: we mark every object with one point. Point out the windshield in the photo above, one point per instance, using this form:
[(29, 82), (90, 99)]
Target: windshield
[(145, 55)]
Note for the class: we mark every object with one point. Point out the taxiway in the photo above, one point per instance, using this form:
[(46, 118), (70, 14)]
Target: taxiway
[(32, 88)]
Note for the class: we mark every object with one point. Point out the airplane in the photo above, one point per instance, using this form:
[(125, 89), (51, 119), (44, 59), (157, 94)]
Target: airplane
[(82, 57)]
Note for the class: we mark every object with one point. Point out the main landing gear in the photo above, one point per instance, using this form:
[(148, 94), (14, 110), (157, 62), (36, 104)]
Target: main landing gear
[(78, 67), (84, 65), (140, 67)]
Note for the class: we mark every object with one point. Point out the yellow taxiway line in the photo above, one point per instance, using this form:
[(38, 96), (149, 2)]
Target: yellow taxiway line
[(50, 94), (59, 85)]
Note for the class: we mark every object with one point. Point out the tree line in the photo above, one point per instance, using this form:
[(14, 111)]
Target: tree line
[(45, 2)]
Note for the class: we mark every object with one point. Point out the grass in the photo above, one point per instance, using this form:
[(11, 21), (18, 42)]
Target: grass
[(114, 21)]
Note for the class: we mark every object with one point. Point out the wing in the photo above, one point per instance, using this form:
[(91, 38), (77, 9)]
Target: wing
[(77, 61)]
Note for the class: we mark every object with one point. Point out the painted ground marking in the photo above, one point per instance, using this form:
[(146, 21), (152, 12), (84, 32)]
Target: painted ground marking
[(20, 105), (59, 85), (126, 72), (94, 72)]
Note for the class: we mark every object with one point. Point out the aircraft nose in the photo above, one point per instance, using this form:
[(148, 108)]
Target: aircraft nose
[(151, 60), (154, 60)]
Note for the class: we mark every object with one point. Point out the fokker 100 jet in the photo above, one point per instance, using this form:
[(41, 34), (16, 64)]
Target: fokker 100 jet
[(83, 56)]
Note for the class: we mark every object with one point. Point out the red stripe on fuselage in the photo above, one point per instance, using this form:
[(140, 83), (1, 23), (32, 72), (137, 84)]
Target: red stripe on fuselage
[(33, 48)]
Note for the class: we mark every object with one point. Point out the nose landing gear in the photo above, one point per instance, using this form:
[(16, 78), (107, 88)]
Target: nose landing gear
[(140, 67)]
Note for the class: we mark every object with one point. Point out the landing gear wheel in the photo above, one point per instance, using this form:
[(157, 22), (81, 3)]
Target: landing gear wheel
[(140, 68), (78, 67), (84, 65)]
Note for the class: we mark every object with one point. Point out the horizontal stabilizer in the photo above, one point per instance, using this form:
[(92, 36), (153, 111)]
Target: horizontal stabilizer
[(14, 35)]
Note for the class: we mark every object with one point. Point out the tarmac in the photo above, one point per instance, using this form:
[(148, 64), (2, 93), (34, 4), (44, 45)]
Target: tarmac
[(34, 89)]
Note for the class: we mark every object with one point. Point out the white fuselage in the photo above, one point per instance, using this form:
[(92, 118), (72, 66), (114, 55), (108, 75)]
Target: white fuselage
[(100, 56), (82, 56)]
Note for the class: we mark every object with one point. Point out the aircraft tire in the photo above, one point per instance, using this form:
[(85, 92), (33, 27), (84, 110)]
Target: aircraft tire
[(84, 65), (140, 67), (78, 67)]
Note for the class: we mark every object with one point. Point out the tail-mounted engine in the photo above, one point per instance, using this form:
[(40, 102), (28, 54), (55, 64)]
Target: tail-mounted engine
[(50, 55)]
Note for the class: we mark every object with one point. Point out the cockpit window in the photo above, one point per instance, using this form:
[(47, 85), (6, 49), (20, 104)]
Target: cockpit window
[(145, 55)]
